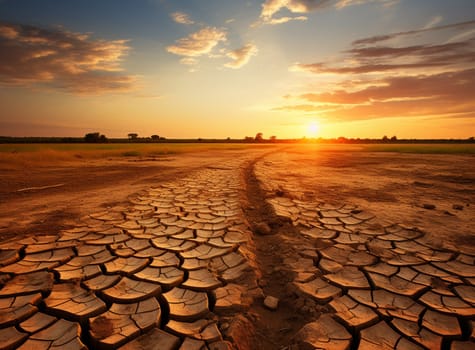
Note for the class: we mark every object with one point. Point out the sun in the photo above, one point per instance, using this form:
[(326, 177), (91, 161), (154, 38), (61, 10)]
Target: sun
[(312, 129)]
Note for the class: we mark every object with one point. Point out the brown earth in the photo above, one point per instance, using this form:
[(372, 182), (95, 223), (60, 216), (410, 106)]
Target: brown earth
[(435, 193), (45, 199)]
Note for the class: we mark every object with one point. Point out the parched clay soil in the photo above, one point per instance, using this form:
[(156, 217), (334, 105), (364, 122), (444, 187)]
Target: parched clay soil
[(362, 251), (46, 199)]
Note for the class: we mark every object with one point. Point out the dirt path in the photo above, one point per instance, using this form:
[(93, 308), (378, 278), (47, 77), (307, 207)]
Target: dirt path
[(273, 327)]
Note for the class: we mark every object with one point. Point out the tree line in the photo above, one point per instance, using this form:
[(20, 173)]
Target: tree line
[(96, 137)]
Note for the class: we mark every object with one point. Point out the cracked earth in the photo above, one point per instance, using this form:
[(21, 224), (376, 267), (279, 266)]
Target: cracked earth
[(257, 251)]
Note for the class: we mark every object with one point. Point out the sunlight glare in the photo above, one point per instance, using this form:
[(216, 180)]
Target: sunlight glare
[(312, 129)]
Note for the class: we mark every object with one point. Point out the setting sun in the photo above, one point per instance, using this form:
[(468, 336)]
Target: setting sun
[(313, 129), (231, 69)]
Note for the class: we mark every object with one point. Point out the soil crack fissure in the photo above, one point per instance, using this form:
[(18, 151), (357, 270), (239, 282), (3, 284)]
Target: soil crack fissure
[(271, 235)]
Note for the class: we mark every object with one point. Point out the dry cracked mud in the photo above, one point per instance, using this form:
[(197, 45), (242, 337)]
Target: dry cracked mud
[(187, 263)]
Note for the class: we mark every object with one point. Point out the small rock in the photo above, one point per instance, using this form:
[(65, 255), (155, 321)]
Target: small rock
[(271, 302), (428, 206), (457, 207), (263, 228)]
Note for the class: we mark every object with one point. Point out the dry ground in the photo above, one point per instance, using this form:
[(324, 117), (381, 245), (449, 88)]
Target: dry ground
[(396, 186), (433, 192), (47, 196)]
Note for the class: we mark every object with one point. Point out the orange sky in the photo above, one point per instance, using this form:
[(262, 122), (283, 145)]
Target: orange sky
[(217, 69)]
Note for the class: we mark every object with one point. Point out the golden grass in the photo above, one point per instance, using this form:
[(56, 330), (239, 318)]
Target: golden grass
[(422, 148), (37, 155), (16, 156)]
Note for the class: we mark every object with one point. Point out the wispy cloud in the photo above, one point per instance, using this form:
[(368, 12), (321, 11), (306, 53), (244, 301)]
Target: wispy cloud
[(377, 78), (367, 57), (199, 43), (241, 56), (433, 22), (189, 61), (339, 4), (272, 7), (286, 19), (59, 59), (379, 38), (181, 17)]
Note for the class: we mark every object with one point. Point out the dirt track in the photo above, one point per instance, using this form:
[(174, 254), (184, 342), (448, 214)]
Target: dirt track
[(345, 240)]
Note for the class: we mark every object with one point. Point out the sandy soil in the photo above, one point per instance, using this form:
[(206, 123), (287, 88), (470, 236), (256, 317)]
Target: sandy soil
[(46, 199), (394, 186), (435, 193)]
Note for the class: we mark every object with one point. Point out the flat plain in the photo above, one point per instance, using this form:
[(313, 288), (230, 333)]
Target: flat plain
[(222, 246)]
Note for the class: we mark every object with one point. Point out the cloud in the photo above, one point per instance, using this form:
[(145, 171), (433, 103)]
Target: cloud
[(304, 108), (272, 7), (241, 56), (198, 43), (181, 17), (450, 86), (379, 59), (376, 59), (189, 61), (379, 38), (286, 19), (59, 59), (345, 3), (377, 79), (433, 22)]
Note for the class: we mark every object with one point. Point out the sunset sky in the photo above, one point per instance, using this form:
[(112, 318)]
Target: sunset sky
[(229, 68)]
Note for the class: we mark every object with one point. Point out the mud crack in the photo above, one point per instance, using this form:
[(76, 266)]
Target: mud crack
[(275, 241)]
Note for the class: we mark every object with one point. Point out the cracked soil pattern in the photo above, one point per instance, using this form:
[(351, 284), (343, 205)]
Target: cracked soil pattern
[(187, 263)]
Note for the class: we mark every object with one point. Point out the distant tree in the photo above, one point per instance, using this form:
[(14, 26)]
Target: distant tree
[(342, 139), (471, 139), (92, 137), (133, 136), (273, 138), (385, 138), (394, 138), (248, 138), (95, 137), (155, 137), (259, 137)]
